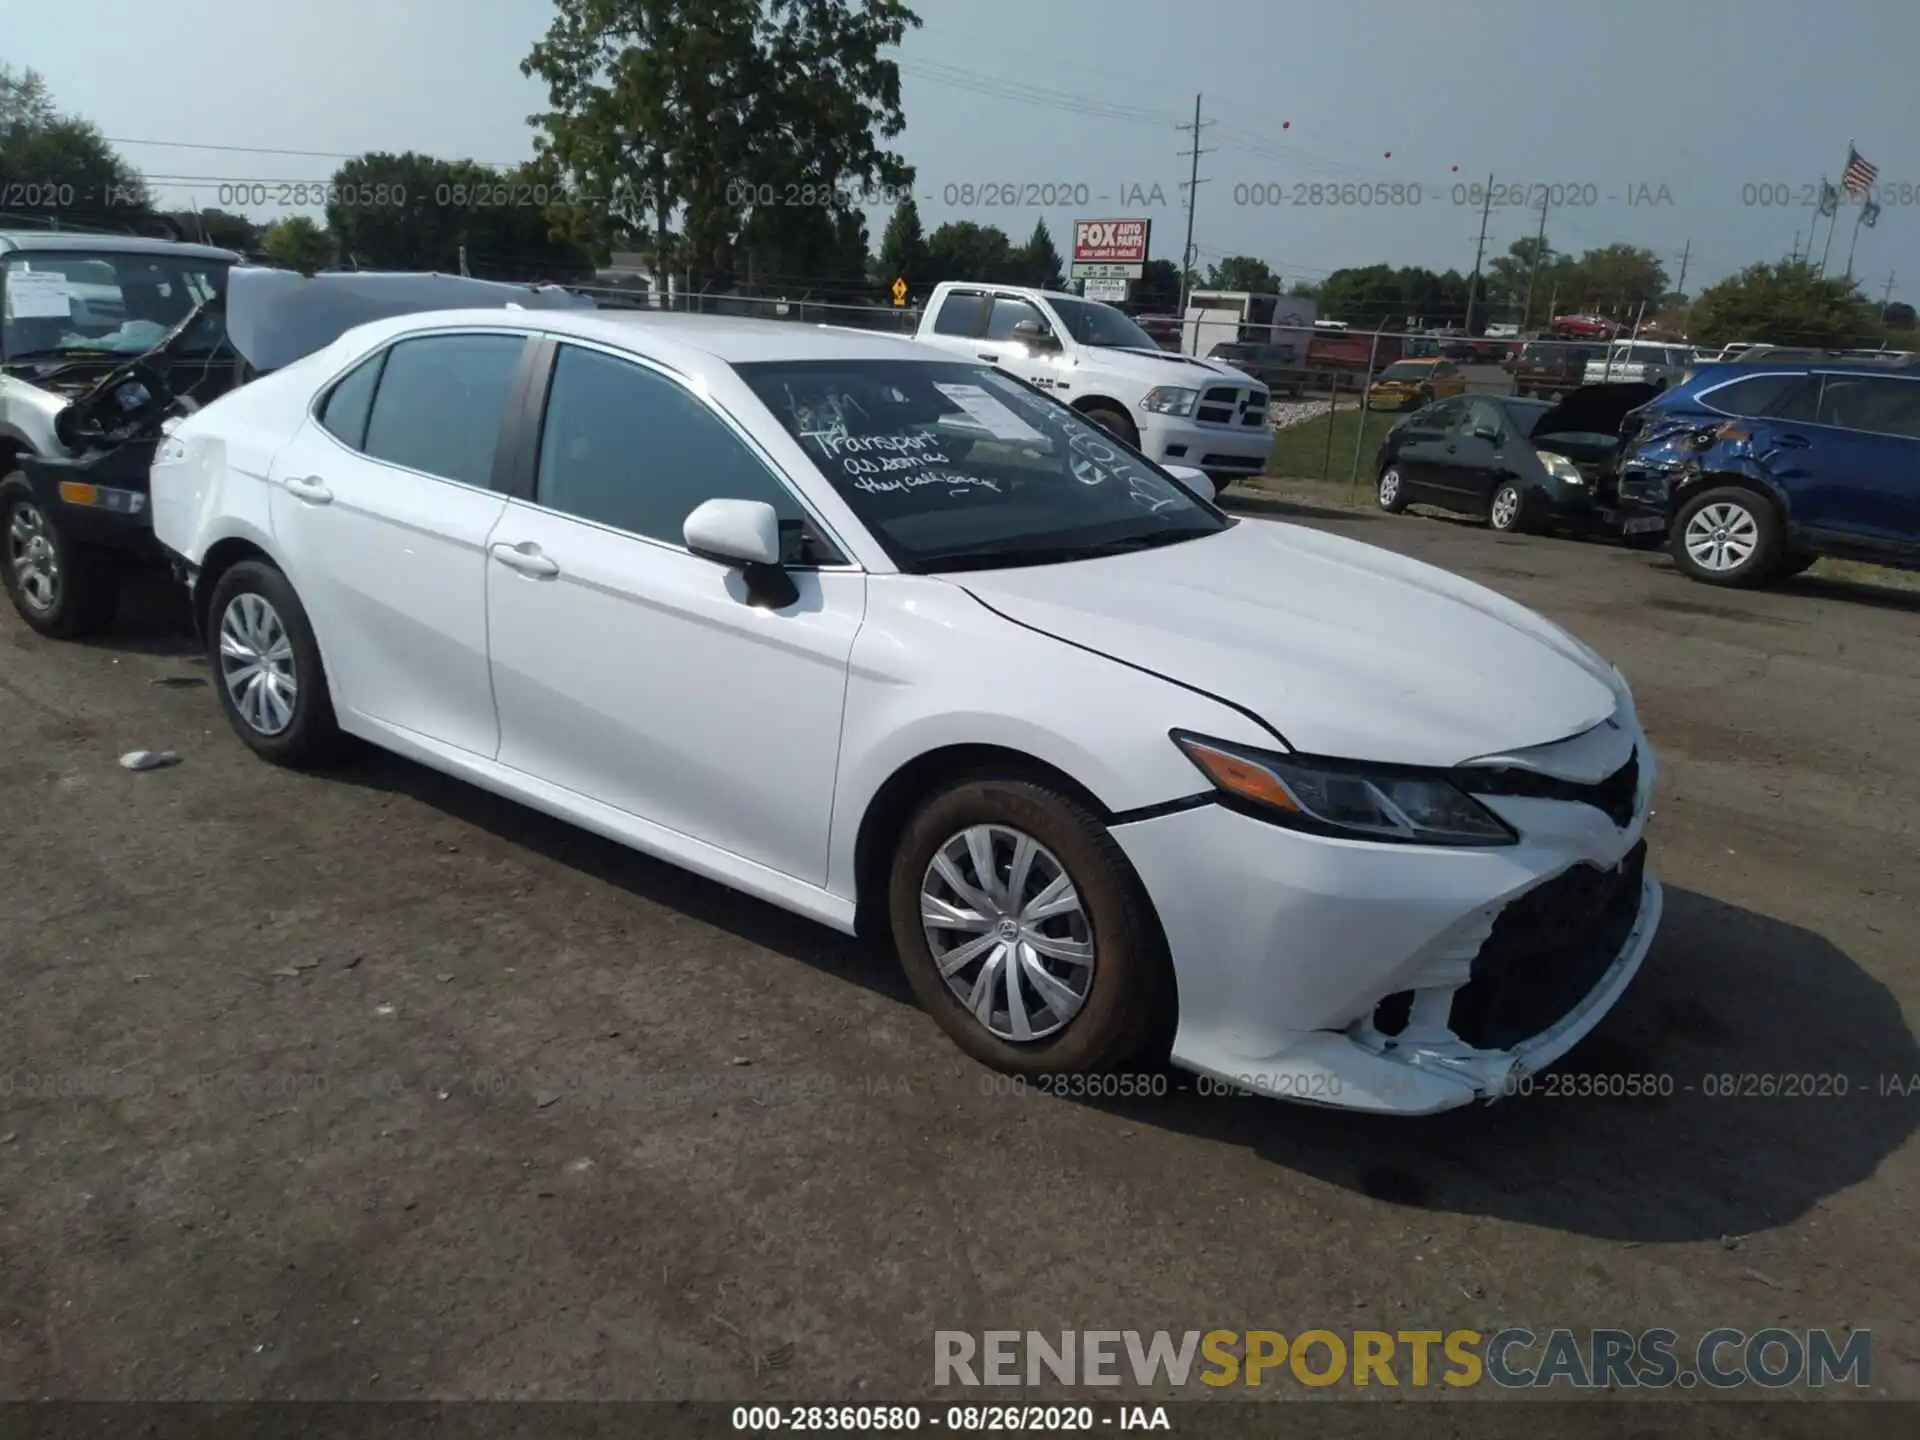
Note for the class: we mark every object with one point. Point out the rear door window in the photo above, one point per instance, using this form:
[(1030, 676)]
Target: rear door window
[(1872, 404), (440, 404)]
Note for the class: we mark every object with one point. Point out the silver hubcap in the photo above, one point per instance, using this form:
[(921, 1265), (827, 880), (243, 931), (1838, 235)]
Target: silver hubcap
[(1389, 487), (256, 662), (33, 560), (1721, 537), (1506, 508), (1007, 931)]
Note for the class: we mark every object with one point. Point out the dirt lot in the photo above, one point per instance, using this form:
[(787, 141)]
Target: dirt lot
[(371, 1086)]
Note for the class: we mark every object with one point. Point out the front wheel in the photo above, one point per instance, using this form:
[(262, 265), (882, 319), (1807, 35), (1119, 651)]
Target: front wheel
[(272, 684), (62, 589), (1507, 512), (1727, 537), (1113, 421), (1024, 930)]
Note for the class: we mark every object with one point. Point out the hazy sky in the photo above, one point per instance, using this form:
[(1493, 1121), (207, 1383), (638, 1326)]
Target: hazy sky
[(1717, 115)]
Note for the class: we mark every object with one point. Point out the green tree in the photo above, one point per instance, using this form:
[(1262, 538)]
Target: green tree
[(743, 122), (1243, 272), (298, 243), (56, 164), (1304, 290), (1615, 280), (1366, 296), (1039, 261), (963, 250), (1898, 316), (1157, 291), (903, 248), (1787, 303)]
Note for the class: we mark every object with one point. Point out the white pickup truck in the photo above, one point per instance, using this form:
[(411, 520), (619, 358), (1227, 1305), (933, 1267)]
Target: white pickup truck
[(1174, 409)]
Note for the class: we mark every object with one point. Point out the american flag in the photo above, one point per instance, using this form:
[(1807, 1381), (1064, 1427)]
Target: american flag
[(1859, 174)]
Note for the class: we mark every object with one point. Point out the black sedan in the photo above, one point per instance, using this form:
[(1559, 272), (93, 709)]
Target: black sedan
[(1518, 464)]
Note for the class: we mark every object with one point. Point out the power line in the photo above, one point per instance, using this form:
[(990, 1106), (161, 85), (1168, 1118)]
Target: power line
[(307, 154)]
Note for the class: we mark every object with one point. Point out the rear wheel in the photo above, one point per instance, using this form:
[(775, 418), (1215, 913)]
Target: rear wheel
[(1024, 930), (272, 684), (62, 589), (1727, 536), (1390, 492)]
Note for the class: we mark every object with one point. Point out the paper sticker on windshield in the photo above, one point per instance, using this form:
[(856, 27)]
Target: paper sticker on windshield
[(1000, 422), (38, 295)]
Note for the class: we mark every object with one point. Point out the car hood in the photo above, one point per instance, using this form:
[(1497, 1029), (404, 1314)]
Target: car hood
[(1343, 648), (1593, 410), (1163, 367), (275, 317)]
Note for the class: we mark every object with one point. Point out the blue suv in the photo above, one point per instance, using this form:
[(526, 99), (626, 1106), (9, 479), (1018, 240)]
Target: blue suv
[(1753, 472)]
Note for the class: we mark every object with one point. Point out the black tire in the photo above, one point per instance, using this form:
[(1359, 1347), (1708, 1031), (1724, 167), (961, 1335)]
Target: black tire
[(1508, 510), (1749, 518), (1391, 498), (1129, 994), (310, 735), (1114, 421), (85, 588)]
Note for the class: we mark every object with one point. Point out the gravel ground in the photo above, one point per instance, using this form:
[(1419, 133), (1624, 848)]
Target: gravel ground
[(366, 1085)]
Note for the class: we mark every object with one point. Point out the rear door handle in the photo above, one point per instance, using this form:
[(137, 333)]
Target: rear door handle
[(526, 558), (991, 359), (308, 487), (1793, 442)]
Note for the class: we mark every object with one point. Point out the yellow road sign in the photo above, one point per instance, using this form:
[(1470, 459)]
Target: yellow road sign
[(899, 292)]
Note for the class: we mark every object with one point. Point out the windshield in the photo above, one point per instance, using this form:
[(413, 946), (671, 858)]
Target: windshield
[(958, 467), (1405, 371), (1092, 323), (70, 302), (1526, 415)]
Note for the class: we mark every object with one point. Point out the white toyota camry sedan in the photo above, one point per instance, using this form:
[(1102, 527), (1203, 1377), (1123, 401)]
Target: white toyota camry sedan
[(891, 639)]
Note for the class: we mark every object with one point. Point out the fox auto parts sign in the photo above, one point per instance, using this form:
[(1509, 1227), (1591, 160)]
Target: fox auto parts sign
[(1110, 249), (1113, 241)]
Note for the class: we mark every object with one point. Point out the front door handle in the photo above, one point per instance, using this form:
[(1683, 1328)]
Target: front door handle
[(990, 359), (526, 558), (1793, 442), (310, 488)]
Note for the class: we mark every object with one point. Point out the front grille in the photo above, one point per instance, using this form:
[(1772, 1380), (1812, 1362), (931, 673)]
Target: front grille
[(1547, 951), (1219, 405), (1614, 796)]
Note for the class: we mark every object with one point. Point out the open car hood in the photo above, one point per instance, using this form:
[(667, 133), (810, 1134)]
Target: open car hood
[(275, 317), (1593, 410)]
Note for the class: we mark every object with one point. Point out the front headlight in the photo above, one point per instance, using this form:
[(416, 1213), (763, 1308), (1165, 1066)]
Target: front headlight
[(1561, 468), (1169, 400), (1388, 803)]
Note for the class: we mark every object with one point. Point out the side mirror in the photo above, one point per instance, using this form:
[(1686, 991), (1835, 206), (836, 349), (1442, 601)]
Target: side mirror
[(1198, 479), (734, 532), (1035, 336), (1486, 432)]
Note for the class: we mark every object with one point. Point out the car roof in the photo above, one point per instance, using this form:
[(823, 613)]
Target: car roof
[(81, 242), (668, 335)]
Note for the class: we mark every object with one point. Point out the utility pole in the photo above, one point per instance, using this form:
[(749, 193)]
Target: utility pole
[(1539, 246), (1479, 251), (1681, 286), (1887, 299), (1194, 182)]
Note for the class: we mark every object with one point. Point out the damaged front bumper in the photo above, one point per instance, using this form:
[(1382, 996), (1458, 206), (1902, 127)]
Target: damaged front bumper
[(1398, 978)]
